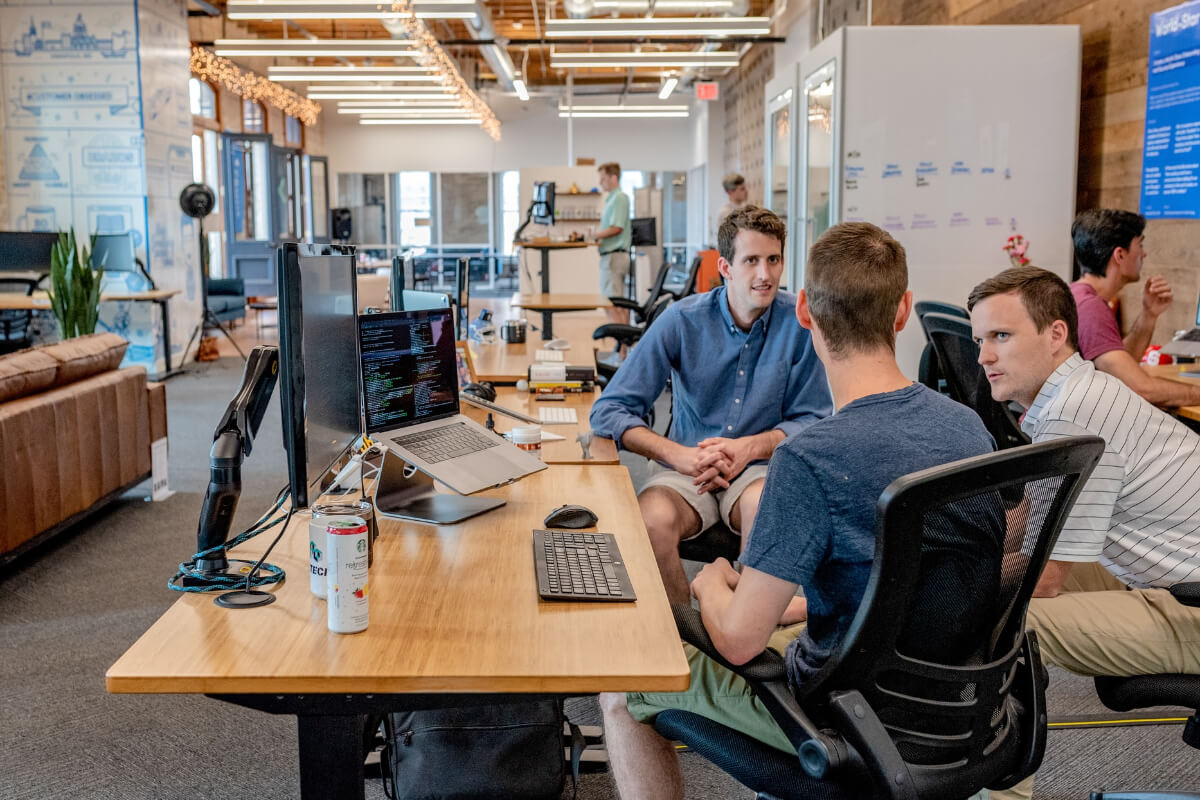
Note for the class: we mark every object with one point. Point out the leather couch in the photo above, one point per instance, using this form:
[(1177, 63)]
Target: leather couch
[(76, 433), (227, 298)]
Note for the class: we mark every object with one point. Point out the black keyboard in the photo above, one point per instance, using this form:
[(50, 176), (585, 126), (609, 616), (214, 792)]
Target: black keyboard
[(1191, 336), (447, 442), (580, 566)]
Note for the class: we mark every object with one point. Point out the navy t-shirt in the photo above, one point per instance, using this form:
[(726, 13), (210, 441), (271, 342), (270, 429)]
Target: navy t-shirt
[(816, 521)]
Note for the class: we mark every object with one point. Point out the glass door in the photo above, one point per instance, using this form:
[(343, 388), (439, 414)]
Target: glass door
[(779, 154), (317, 199), (818, 156), (249, 243)]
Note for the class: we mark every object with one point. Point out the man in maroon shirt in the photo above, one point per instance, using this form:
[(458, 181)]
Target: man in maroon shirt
[(1109, 250)]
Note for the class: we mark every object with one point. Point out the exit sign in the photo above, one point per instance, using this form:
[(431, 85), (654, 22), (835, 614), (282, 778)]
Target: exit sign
[(707, 90)]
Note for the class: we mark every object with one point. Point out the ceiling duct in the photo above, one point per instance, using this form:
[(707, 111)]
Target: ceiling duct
[(479, 27)]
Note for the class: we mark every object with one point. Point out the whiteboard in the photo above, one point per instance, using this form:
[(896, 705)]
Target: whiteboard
[(952, 139)]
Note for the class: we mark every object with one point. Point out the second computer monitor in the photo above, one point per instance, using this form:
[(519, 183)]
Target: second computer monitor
[(543, 202)]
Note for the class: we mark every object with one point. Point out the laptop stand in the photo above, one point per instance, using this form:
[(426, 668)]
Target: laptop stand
[(405, 492)]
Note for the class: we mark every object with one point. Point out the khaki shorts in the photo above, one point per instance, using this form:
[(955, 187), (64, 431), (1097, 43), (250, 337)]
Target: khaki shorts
[(614, 269), (711, 507), (719, 695)]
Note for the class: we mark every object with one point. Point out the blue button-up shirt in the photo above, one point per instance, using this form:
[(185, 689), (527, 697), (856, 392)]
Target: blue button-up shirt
[(725, 381)]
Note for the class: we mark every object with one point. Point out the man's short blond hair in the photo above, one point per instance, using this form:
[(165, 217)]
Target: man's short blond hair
[(610, 168)]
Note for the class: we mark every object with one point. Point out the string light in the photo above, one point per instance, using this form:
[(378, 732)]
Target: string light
[(433, 57), (212, 68)]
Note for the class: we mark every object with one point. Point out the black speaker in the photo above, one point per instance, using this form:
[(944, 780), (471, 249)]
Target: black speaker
[(341, 223)]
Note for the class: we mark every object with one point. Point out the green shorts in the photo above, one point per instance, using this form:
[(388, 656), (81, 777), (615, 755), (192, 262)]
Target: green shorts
[(720, 695)]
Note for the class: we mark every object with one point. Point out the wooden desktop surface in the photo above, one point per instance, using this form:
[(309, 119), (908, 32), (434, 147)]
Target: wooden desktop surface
[(567, 451), (454, 608), (1175, 372), (12, 301), (560, 302), (508, 363)]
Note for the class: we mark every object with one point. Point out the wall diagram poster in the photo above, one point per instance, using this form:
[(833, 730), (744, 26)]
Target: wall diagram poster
[(1171, 155)]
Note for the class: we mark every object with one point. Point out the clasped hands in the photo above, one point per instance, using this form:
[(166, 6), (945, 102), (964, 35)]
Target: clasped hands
[(714, 463)]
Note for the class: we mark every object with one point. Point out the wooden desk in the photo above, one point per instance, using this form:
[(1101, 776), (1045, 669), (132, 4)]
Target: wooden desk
[(604, 451), (509, 363), (1174, 372), (545, 247), (10, 301), (550, 304), (454, 609)]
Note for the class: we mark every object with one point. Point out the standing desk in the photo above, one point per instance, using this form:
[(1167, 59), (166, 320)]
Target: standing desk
[(545, 247), (454, 612), (550, 304), (10, 301)]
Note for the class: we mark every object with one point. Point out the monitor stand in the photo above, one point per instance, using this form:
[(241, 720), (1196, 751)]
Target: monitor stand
[(405, 492)]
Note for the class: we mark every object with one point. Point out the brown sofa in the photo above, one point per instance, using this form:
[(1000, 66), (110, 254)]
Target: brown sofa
[(75, 433)]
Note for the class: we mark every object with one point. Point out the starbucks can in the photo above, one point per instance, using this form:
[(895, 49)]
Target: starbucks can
[(346, 579)]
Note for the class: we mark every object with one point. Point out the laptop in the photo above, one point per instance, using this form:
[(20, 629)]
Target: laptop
[(1188, 342), (408, 369)]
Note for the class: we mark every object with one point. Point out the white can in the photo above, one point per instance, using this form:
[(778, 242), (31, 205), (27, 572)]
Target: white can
[(318, 550), (528, 438), (346, 579)]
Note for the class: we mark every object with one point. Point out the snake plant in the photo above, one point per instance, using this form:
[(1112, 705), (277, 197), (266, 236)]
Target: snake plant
[(74, 286)]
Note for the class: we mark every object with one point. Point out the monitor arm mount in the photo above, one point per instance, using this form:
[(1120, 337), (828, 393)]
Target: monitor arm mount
[(232, 442), (528, 218)]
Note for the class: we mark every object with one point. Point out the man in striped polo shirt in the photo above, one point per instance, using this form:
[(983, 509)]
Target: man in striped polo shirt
[(1138, 516)]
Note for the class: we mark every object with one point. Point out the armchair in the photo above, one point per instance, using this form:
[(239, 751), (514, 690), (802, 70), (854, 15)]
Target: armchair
[(934, 693), (227, 298)]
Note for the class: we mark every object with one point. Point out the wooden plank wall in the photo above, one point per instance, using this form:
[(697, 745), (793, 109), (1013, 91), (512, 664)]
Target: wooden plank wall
[(1116, 37)]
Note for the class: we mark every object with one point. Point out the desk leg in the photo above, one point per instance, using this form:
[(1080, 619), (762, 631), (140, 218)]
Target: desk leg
[(166, 320), (331, 756), (546, 277), (547, 325)]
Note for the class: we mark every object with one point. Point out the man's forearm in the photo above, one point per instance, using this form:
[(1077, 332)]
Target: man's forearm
[(609, 232), (765, 443), (1139, 336), (646, 442)]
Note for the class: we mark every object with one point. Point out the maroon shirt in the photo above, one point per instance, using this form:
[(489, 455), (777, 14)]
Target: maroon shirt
[(1098, 331)]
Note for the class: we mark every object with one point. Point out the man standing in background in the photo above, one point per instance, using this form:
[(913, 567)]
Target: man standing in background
[(735, 187), (613, 240)]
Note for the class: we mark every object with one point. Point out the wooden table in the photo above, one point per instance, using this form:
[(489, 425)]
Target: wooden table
[(508, 363), (551, 304), (545, 246), (1176, 372), (454, 609), (604, 451), (11, 301)]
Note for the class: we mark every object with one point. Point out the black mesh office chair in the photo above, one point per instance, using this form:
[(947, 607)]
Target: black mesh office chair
[(936, 691), (639, 311), (15, 323), (928, 371), (958, 365), (626, 336), (1144, 691)]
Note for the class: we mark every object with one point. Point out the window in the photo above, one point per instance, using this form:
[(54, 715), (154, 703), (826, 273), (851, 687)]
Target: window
[(254, 117), (203, 99), (464, 206), (510, 209), (632, 179), (366, 197), (293, 131), (414, 201)]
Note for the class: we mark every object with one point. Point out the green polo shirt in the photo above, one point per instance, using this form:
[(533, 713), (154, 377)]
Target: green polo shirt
[(616, 214)]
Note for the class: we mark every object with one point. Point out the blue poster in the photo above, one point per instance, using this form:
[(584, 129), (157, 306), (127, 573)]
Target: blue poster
[(1171, 156)]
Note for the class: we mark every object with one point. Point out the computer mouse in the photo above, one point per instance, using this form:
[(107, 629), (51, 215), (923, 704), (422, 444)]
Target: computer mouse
[(558, 344), (484, 391), (570, 517)]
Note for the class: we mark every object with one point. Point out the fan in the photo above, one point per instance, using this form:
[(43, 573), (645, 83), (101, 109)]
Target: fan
[(197, 201)]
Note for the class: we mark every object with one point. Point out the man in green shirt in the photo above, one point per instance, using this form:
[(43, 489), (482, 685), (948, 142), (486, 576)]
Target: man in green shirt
[(613, 240)]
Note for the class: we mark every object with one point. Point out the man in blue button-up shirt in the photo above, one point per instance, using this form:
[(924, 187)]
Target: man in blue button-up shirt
[(744, 377)]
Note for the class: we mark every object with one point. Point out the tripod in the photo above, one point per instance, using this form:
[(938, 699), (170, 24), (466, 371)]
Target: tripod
[(208, 319)]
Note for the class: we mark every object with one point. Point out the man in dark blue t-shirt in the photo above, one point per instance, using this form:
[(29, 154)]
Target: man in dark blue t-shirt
[(816, 521)]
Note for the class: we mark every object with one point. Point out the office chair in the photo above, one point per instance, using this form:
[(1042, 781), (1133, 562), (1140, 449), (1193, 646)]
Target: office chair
[(626, 336), (639, 311), (930, 695), (1144, 691), (928, 372), (15, 323), (958, 364)]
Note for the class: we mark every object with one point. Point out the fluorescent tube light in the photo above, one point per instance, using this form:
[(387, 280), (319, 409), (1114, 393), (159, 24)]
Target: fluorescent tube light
[(659, 26), (626, 108), (355, 9), (424, 102), (668, 87), (690, 58), (418, 122), (522, 90), (576, 114), (396, 95), (408, 112), (304, 48)]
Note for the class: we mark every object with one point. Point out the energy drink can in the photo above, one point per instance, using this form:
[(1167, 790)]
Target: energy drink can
[(318, 550), (346, 579)]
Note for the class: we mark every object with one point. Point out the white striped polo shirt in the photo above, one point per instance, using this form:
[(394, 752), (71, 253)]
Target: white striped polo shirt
[(1139, 513)]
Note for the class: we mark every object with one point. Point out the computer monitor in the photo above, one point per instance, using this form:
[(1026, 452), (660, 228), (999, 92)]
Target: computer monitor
[(413, 300), (543, 202), (318, 354), (403, 277), (643, 232), (26, 251), (462, 298), (115, 252)]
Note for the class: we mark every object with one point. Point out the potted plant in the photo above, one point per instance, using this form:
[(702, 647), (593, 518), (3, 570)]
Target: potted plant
[(74, 286)]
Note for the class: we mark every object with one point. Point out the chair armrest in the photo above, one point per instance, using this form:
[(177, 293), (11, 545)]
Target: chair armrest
[(226, 286), (819, 752), (1187, 594), (625, 302), (627, 334)]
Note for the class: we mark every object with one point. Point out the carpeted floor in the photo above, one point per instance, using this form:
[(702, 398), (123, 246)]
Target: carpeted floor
[(70, 609)]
